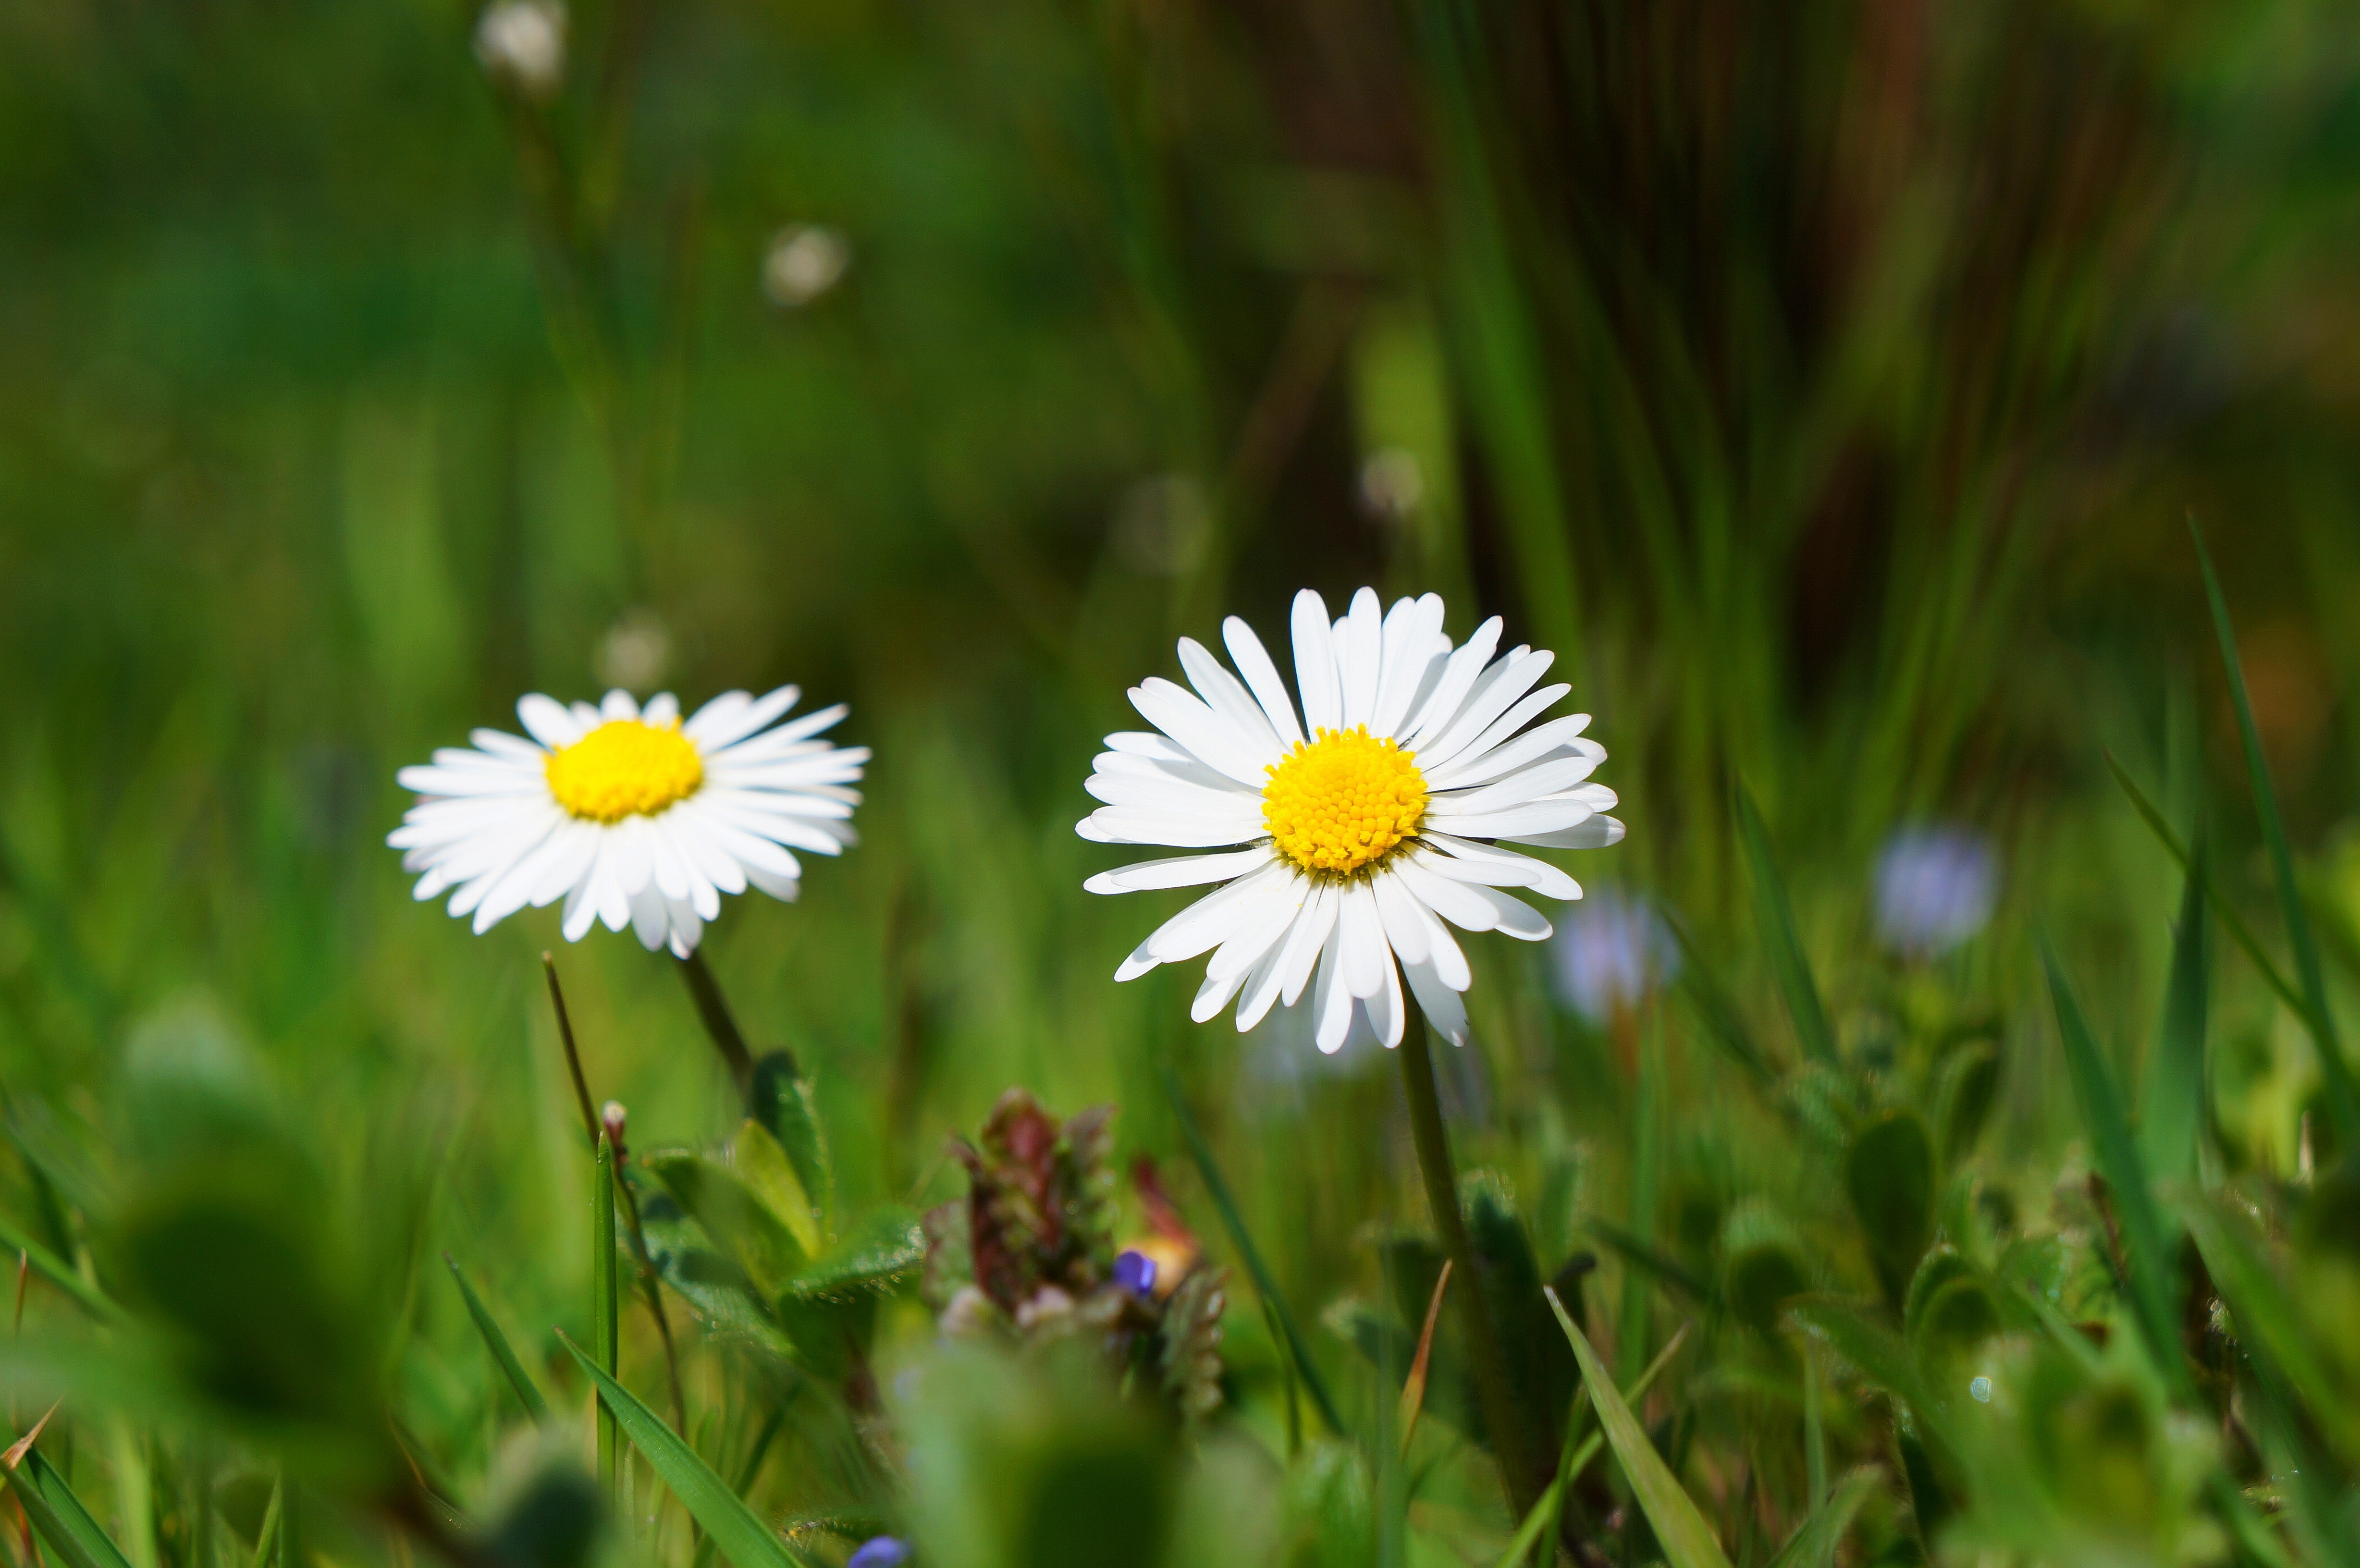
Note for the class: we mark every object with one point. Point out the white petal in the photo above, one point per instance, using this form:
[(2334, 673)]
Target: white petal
[(1331, 1002), (618, 705), (1262, 986), (1214, 994), (1387, 1015), (1467, 861), (449, 782), (1128, 824), (1227, 696), (1160, 791), (1490, 700), (1444, 1009), (1595, 834), (1503, 728), (1260, 926), (1180, 871), (649, 920), (1533, 785), (1200, 926), (1405, 920), (1361, 656), (1315, 666), (1184, 768), (499, 743), (662, 709), (1481, 763), (1528, 822), (785, 889), (1458, 902), (1306, 941), (715, 714), (1214, 741), (580, 912), (1414, 642), (547, 720), (720, 732), (1261, 678), (687, 926), (1146, 743), (1360, 933), (1518, 918), (586, 714), (1458, 677)]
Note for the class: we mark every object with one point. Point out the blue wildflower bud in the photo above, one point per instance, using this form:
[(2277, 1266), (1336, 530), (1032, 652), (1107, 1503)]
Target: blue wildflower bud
[(1135, 1272), (880, 1552), (1935, 888)]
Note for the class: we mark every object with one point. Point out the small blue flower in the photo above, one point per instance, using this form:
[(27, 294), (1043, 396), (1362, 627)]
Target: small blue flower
[(880, 1552), (1935, 887), (1611, 950), (1135, 1272)]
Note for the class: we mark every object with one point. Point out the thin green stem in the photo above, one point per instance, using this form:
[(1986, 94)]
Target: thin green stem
[(713, 1009), (1526, 1478), (605, 1324)]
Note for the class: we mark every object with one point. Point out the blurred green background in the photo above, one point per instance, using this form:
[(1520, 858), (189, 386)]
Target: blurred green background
[(1830, 383)]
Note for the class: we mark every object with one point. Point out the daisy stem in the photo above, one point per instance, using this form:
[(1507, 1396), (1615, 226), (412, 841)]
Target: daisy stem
[(1501, 1418), (714, 1010), (649, 1289)]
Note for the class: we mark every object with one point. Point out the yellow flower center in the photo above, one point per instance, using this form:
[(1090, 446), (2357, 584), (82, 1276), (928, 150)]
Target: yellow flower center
[(1342, 801), (624, 767)]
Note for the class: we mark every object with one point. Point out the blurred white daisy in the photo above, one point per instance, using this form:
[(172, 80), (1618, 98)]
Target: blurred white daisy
[(628, 815), (1366, 822)]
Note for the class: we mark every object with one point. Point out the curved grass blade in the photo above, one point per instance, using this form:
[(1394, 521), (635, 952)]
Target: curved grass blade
[(1202, 1153), (1723, 1025), (1413, 1394), (605, 1321), (2343, 1099), (2231, 922), (1687, 1541), (736, 1532), (60, 1516), (2118, 1156), (58, 1272), (1816, 1541), (497, 1343), (2171, 1098), (266, 1539), (1777, 918)]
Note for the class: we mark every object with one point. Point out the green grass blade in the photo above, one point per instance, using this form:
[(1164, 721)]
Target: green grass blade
[(58, 1272), (2172, 1100), (1723, 1025), (1548, 1510), (2342, 1101), (497, 1343), (736, 1532), (1239, 1237), (1816, 1541), (604, 1316), (1687, 1541), (2117, 1153), (267, 1538), (2231, 922), (1776, 915), (60, 1516)]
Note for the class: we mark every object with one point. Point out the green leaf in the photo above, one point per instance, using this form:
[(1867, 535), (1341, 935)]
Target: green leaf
[(1878, 1355), (2343, 1099), (705, 1277), (2115, 1151), (60, 1516), (741, 1223), (767, 1171), (1964, 1093), (497, 1343), (879, 1254), (781, 1102), (1687, 1541), (1242, 1240), (1777, 918), (1816, 1540), (1547, 1510), (736, 1531), (1889, 1171), (2171, 1096)]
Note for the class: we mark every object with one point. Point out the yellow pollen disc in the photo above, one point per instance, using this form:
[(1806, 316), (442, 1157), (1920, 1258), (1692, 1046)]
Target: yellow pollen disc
[(624, 767), (1342, 801)]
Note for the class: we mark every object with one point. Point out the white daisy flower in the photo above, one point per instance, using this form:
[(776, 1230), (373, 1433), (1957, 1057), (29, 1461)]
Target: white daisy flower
[(1365, 824), (631, 815)]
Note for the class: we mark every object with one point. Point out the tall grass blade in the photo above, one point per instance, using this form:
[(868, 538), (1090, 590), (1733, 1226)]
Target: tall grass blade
[(1816, 1541), (2231, 922), (1775, 916), (735, 1532), (1548, 1515), (2117, 1153), (1202, 1153), (266, 1539), (605, 1317), (60, 1516), (2171, 1099), (2343, 1099), (497, 1343), (1687, 1541)]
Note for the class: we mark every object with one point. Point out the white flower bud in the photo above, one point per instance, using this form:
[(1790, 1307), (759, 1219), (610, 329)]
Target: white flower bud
[(805, 261), (522, 44)]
